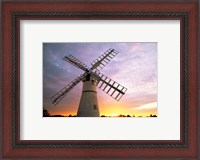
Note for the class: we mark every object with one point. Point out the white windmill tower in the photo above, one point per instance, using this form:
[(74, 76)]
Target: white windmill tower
[(88, 106)]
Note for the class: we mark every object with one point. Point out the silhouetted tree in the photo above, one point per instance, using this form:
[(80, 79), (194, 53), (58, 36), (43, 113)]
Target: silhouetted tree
[(153, 115), (58, 115), (46, 113)]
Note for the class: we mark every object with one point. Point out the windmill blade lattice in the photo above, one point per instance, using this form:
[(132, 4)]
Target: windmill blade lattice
[(61, 94), (76, 62), (111, 87), (104, 59), (106, 84)]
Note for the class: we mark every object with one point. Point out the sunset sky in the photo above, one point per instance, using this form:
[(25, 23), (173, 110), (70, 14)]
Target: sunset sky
[(135, 67)]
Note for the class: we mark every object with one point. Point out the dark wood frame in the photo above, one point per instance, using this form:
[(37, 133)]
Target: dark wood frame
[(186, 12)]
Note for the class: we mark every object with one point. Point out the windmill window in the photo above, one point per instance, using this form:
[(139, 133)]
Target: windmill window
[(95, 106), (93, 82)]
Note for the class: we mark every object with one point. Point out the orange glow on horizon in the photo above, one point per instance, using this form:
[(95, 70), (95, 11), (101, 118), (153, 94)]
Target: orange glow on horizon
[(113, 111)]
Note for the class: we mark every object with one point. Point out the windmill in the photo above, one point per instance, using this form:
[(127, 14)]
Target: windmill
[(88, 105)]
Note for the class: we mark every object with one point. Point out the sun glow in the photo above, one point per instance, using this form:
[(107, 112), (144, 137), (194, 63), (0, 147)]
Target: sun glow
[(114, 115)]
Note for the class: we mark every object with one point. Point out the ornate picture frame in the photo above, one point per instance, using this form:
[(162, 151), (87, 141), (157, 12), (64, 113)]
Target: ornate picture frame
[(13, 147)]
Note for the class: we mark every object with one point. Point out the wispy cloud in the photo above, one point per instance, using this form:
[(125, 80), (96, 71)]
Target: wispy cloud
[(146, 106)]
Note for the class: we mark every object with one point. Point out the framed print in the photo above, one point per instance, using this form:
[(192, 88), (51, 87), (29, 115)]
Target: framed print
[(100, 79)]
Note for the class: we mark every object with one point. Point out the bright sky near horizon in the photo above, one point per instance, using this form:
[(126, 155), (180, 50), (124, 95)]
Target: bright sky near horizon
[(135, 67)]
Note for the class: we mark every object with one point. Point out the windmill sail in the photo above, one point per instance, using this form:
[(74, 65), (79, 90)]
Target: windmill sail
[(110, 86), (75, 62), (61, 94), (104, 59), (106, 84)]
